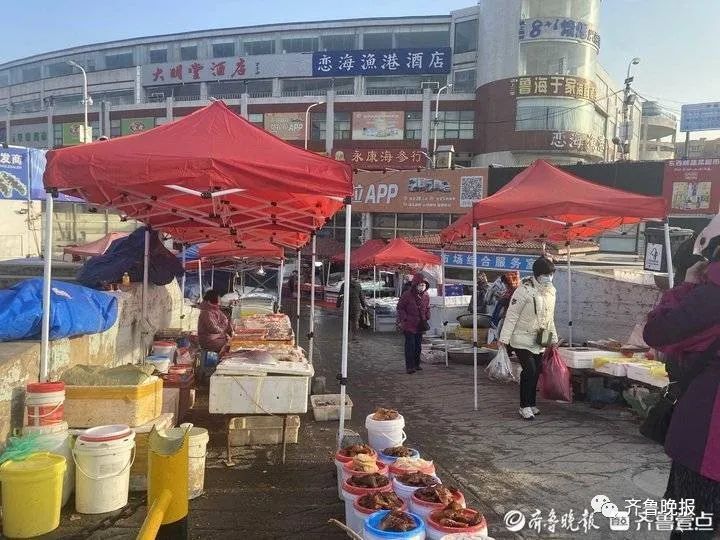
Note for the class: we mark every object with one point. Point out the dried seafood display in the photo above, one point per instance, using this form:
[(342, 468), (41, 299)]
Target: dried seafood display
[(364, 463), (355, 449), (398, 451), (437, 494), (412, 464), (417, 479), (454, 516), (368, 481), (381, 501), (397, 521), (382, 414)]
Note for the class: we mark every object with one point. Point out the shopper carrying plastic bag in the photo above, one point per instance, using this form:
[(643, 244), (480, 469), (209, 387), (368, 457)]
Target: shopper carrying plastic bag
[(500, 368), (555, 377)]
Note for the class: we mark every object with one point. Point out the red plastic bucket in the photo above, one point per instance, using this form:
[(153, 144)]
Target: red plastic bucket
[(424, 508), (435, 531), (45, 403)]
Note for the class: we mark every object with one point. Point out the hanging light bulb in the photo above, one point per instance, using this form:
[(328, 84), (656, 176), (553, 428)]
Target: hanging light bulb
[(260, 271)]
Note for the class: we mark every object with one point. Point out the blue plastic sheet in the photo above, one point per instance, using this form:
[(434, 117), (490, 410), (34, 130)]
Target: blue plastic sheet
[(76, 310)]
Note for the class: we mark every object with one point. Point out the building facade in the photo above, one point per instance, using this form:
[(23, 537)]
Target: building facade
[(658, 128), (702, 148), (511, 80)]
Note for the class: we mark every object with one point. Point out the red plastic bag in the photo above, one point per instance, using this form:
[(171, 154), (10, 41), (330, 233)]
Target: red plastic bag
[(555, 377)]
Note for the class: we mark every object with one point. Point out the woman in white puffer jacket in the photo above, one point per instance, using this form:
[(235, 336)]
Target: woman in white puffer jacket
[(529, 328)]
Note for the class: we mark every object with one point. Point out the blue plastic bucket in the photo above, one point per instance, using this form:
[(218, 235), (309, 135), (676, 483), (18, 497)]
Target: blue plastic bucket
[(373, 532)]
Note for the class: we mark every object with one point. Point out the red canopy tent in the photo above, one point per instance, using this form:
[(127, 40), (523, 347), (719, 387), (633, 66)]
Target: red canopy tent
[(226, 248), (366, 250), (544, 202), (92, 249), (398, 252)]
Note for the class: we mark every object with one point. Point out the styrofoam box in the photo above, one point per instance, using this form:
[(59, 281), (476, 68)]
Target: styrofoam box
[(331, 411), (616, 370), (581, 357), (639, 372), (252, 430), (247, 394)]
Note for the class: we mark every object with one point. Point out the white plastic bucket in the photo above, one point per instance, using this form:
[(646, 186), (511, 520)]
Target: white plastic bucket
[(405, 492), (56, 439), (161, 363), (424, 509), (384, 434), (45, 403), (164, 348), (103, 457), (197, 451)]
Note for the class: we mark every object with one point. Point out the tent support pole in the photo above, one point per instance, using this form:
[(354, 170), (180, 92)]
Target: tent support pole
[(146, 274), (280, 283), (442, 277), (299, 291), (345, 320), (475, 327), (47, 277), (212, 277), (668, 254), (374, 297), (311, 325), (182, 285), (200, 277), (570, 310)]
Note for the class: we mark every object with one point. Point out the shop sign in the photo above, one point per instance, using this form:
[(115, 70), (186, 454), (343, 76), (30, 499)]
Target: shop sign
[(428, 191), (228, 69), (380, 125), (692, 186), (577, 142), (437, 60), (558, 28), (384, 158), (553, 85), (72, 133), (131, 126), (14, 173), (288, 126), (490, 261), (700, 116)]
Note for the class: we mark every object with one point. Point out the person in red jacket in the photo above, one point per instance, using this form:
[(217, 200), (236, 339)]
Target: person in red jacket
[(413, 314)]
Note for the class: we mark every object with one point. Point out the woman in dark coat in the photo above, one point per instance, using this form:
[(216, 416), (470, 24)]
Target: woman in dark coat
[(685, 326), (413, 312), (357, 305)]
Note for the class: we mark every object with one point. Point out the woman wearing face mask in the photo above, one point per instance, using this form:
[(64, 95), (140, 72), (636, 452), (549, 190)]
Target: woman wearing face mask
[(529, 328), (413, 314)]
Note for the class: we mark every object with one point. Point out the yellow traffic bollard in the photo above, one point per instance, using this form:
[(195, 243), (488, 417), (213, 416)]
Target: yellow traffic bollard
[(167, 472)]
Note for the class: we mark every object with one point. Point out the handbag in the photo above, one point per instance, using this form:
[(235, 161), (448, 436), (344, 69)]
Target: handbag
[(423, 325), (544, 337), (365, 319), (657, 423)]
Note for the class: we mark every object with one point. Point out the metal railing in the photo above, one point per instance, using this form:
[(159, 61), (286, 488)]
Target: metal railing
[(401, 91)]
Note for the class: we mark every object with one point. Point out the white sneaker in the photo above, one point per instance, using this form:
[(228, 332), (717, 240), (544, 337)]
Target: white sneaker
[(527, 413), (535, 410)]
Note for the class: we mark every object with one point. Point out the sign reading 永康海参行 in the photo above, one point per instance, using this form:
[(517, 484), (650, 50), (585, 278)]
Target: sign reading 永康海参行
[(289, 126), (553, 85), (692, 186), (14, 173), (228, 69), (490, 261), (558, 28), (384, 158), (700, 116), (424, 61)]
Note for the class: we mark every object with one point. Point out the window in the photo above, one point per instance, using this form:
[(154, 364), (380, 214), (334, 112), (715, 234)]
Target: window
[(188, 52), (695, 148), (223, 50), (456, 124), (259, 47), (464, 81), (422, 39), (466, 36), (59, 69), (435, 222), (259, 88), (117, 61), (377, 41), (546, 115), (413, 125), (4, 79), (31, 74), (298, 45), (318, 126), (257, 119), (384, 221), (338, 43), (306, 87), (157, 56), (408, 221), (557, 58), (115, 130), (342, 125)]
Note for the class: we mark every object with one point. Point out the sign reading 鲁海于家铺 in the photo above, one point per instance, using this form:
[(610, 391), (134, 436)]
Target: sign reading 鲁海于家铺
[(542, 28), (228, 69), (700, 116), (425, 61), (553, 85)]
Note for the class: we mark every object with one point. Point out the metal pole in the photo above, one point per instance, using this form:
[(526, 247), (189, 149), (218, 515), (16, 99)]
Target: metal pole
[(85, 102), (668, 255), (345, 323), (442, 277), (280, 283), (475, 328), (569, 284), (47, 277), (146, 273), (307, 120), (212, 277), (687, 143), (311, 327), (182, 284), (299, 291), (374, 298), (436, 121), (200, 276)]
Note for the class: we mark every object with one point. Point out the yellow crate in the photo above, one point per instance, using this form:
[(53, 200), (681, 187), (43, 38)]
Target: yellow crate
[(134, 405), (466, 334)]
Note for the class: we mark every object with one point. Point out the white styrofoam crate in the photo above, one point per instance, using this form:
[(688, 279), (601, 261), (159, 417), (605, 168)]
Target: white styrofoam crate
[(581, 357), (247, 394), (616, 370), (326, 407), (640, 372), (252, 430)]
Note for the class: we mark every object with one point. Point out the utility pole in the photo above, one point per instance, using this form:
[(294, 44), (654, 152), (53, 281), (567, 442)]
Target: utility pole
[(628, 100)]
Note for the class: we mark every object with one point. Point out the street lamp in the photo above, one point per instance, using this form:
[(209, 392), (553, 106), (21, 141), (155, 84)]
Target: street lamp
[(86, 99), (625, 138), (307, 117), (437, 120)]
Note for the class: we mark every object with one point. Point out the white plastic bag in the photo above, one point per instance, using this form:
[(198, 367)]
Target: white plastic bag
[(500, 368)]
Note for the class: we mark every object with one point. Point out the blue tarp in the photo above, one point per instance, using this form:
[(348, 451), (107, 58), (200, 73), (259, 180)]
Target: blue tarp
[(76, 310)]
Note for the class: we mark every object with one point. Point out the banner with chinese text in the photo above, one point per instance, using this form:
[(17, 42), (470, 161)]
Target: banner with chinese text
[(502, 262), (384, 158), (692, 186), (558, 28), (289, 126), (380, 125), (553, 85), (440, 191), (382, 62)]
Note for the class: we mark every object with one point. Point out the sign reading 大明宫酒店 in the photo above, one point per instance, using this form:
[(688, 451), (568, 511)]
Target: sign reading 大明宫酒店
[(425, 61), (228, 69)]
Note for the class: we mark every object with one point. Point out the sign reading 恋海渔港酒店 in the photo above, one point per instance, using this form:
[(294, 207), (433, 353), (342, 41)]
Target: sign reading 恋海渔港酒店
[(700, 116), (228, 69), (382, 62)]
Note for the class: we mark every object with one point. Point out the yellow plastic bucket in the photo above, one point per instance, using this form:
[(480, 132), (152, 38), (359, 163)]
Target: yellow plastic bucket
[(32, 494)]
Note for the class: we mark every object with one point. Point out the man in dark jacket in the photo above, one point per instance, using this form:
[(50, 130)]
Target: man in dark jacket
[(356, 307), (413, 314)]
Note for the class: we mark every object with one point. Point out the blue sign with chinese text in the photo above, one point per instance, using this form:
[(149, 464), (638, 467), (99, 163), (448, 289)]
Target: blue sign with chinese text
[(502, 262), (700, 116), (14, 165), (558, 28), (382, 62)]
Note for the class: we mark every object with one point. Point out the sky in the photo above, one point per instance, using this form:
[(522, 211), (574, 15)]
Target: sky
[(676, 41)]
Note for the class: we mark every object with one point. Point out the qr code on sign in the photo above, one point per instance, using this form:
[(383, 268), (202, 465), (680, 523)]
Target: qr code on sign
[(471, 190)]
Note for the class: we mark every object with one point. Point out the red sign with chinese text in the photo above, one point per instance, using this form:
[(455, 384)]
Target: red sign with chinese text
[(373, 159), (692, 186)]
